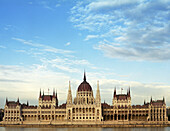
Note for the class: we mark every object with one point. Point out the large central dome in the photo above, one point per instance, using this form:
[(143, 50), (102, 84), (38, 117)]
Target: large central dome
[(84, 86)]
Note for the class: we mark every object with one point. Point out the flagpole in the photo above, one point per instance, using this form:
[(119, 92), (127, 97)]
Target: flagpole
[(121, 90)]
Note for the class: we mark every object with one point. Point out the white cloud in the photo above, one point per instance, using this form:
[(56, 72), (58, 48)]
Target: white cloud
[(68, 43), (135, 53), (67, 64), (54, 58), (88, 37), (43, 47), (30, 3), (46, 5), (141, 28), (21, 51), (110, 4), (20, 81), (57, 5)]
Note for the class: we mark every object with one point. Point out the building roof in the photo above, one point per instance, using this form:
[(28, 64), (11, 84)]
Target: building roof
[(84, 86), (63, 106), (105, 105), (157, 103), (121, 97), (140, 106), (47, 97), (12, 103), (24, 106)]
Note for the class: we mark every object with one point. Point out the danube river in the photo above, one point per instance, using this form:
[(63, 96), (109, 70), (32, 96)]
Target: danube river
[(85, 129)]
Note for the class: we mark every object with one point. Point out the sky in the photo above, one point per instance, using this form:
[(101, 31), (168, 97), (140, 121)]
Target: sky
[(44, 44)]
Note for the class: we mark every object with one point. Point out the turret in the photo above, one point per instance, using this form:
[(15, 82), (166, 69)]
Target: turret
[(84, 76), (98, 98), (53, 93), (18, 100), (151, 100), (115, 92), (69, 96), (40, 94), (163, 100), (6, 100), (56, 99), (129, 92)]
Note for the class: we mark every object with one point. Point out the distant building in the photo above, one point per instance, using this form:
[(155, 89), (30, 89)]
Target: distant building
[(85, 109)]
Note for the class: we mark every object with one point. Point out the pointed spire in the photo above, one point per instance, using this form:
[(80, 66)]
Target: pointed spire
[(6, 100), (69, 95), (40, 93), (163, 100), (53, 93), (18, 100), (144, 102), (97, 85), (84, 75), (69, 86), (98, 98), (151, 99), (43, 92), (129, 92), (27, 103), (115, 92), (56, 98), (56, 93)]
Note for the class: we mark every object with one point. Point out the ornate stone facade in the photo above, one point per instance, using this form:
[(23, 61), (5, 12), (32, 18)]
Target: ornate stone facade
[(85, 109)]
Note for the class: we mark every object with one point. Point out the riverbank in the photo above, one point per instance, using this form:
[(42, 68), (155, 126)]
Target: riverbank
[(75, 126)]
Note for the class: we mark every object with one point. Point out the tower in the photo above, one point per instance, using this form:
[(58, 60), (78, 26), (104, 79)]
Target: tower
[(56, 98), (98, 104), (40, 94), (98, 98), (115, 92), (69, 104), (69, 96), (114, 97)]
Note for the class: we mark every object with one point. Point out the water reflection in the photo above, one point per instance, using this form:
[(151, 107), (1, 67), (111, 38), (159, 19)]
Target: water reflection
[(85, 129)]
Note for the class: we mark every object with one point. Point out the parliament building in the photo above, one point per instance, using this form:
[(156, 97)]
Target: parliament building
[(85, 108)]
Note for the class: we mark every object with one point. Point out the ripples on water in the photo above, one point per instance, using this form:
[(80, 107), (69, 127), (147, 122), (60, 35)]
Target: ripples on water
[(85, 129)]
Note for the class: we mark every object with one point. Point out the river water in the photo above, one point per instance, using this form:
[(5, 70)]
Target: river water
[(85, 129)]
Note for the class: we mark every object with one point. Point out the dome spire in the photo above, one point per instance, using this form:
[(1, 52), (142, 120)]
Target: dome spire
[(84, 75)]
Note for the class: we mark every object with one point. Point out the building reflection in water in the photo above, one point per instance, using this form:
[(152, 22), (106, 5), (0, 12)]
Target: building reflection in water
[(85, 129)]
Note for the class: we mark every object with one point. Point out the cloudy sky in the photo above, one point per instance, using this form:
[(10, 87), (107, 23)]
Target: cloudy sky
[(121, 43)]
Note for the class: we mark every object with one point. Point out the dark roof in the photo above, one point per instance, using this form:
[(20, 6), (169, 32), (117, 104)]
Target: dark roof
[(84, 86), (12, 103), (121, 97), (105, 105), (157, 103), (140, 106), (24, 106), (47, 97), (63, 106)]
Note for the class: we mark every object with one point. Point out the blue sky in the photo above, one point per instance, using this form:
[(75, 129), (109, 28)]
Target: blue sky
[(44, 44)]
